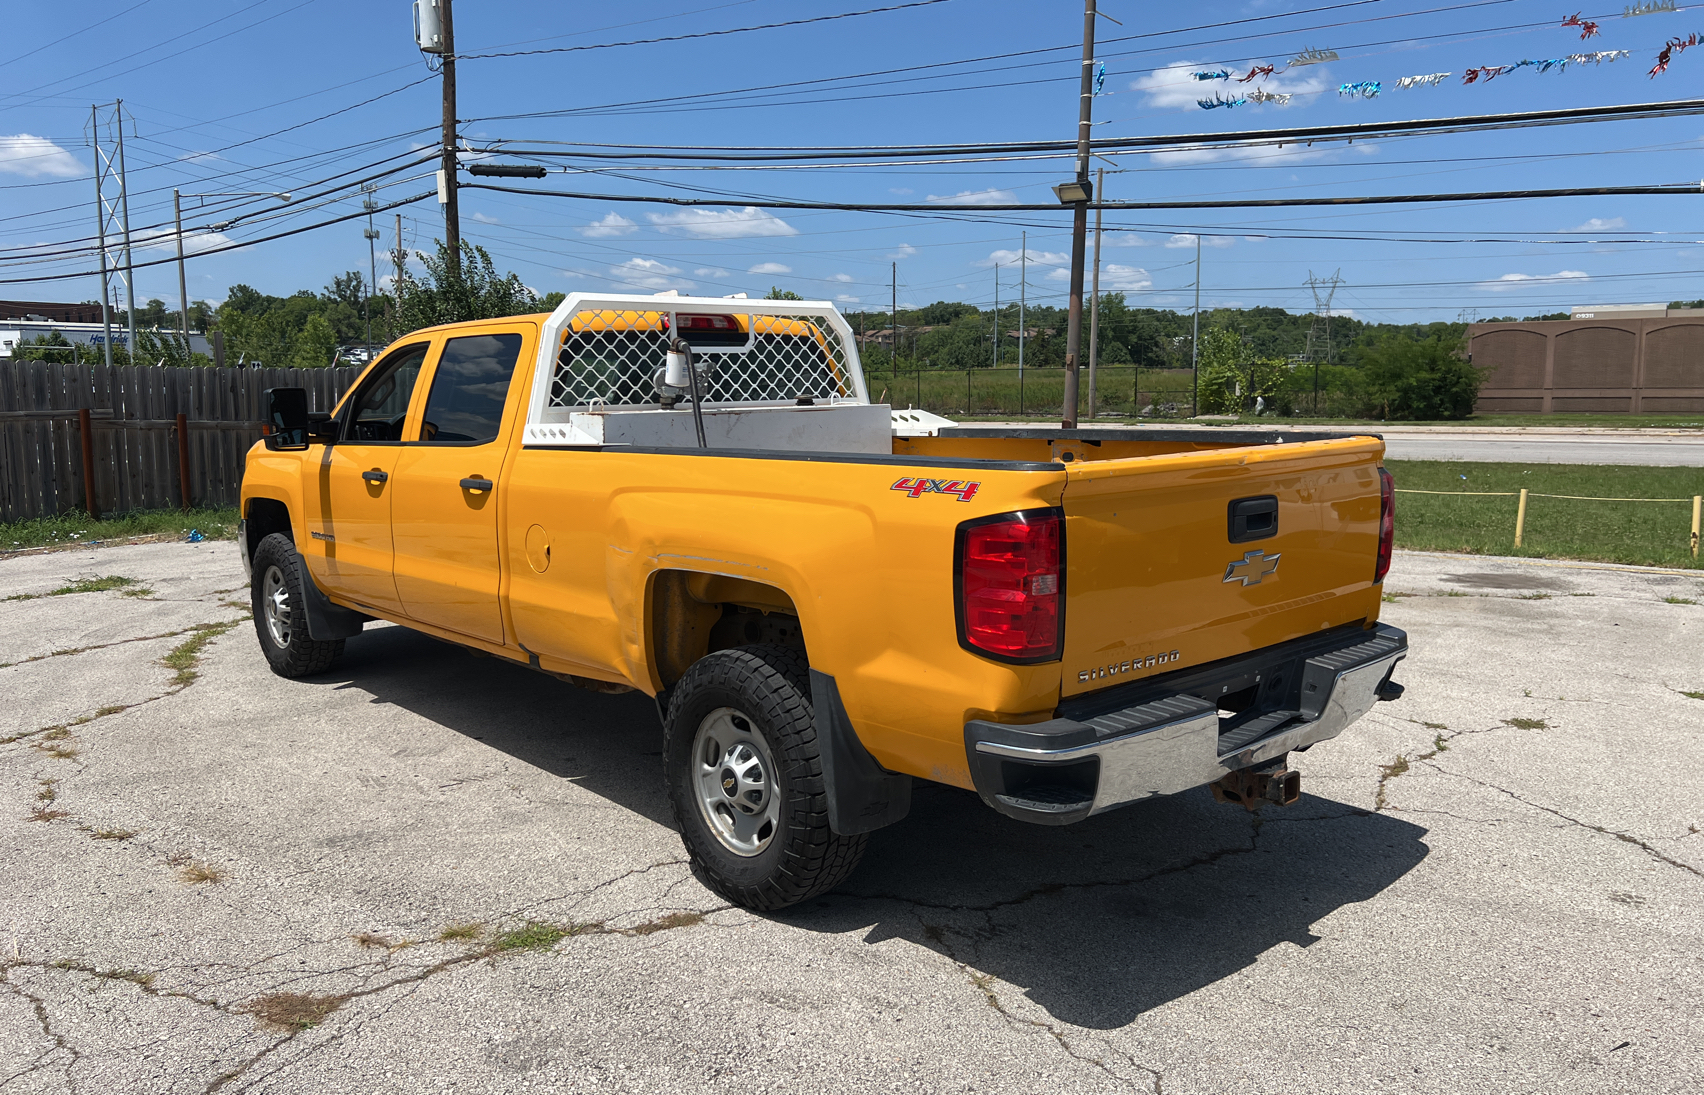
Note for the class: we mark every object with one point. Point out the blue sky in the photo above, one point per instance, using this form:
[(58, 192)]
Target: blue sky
[(232, 97)]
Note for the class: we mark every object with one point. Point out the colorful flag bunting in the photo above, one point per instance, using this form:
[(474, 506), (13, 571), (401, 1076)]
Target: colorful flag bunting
[(1588, 29), (1673, 46)]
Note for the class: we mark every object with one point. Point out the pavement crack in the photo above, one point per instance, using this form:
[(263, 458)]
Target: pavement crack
[(61, 1045), (1625, 838)]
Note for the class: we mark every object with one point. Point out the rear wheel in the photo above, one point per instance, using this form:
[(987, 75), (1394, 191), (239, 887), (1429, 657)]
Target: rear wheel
[(280, 617), (745, 778)]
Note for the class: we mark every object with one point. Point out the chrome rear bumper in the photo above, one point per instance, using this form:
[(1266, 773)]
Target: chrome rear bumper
[(1070, 768)]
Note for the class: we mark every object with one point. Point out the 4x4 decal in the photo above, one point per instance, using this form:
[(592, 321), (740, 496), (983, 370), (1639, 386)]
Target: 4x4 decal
[(917, 487)]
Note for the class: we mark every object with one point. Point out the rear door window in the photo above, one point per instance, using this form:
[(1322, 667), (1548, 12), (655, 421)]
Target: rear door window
[(469, 387)]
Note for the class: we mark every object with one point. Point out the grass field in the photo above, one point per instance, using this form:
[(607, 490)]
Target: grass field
[(1645, 533), (76, 528)]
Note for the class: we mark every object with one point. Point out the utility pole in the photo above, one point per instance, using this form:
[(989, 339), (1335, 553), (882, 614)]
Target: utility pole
[(452, 210), (893, 358), (396, 282), (1094, 298), (1195, 338), (183, 283), (100, 229), (1023, 298), (996, 315), (124, 207), (1080, 219), (371, 234)]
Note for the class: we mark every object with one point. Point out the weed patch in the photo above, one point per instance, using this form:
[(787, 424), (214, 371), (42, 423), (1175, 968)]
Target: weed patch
[(537, 935), (112, 834), (295, 1010), (109, 709), (1532, 597), (186, 656), (1527, 724), (94, 585), (1693, 695), (1679, 601), (58, 748), (47, 813), (461, 933), (215, 523), (194, 871)]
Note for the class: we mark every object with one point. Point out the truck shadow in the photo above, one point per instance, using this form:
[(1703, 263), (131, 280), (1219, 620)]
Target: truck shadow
[(1095, 923)]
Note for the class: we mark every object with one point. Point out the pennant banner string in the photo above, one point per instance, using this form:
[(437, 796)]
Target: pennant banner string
[(1672, 47), (1220, 75), (1588, 29), (1655, 7)]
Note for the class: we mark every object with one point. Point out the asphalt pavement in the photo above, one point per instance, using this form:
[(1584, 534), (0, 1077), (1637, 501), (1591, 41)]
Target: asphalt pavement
[(431, 872)]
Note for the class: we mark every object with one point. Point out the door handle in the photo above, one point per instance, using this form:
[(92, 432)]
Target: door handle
[(477, 484), (374, 476)]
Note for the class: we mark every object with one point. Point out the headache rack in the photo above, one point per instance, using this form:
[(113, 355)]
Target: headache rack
[(602, 357)]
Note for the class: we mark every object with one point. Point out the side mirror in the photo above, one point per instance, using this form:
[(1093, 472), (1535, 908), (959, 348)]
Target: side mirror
[(287, 414)]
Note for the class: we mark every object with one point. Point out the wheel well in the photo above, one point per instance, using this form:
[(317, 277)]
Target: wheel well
[(265, 516), (693, 614)]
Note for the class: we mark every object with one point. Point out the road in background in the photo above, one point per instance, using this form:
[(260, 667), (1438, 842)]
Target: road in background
[(1511, 444)]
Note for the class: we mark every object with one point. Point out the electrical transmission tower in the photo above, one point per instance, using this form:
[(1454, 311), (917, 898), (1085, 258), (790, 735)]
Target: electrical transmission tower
[(112, 215), (1319, 332)]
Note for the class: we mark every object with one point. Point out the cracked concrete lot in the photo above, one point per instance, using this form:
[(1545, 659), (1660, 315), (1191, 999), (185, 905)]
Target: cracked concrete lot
[(433, 872)]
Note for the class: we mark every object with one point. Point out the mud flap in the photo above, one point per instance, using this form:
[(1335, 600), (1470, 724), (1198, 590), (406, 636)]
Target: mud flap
[(862, 795), (326, 621)]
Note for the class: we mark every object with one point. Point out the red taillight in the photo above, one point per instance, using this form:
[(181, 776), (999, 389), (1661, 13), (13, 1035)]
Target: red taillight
[(707, 323), (1387, 524), (1011, 585)]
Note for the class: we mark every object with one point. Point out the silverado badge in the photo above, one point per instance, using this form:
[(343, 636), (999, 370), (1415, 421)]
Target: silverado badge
[(1252, 567)]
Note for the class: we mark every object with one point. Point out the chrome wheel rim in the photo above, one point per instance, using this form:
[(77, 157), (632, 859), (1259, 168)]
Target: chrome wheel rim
[(735, 779), (275, 604)]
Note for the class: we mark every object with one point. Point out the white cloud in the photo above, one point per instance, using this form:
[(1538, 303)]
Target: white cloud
[(1184, 239), (1125, 239), (483, 219), (193, 242), (991, 196), (770, 268), (1040, 258), (1175, 86), (1515, 281), (843, 278), (33, 157), (905, 251), (844, 299), (722, 224), (612, 224), (709, 272), (1124, 279), (1599, 224), (648, 274)]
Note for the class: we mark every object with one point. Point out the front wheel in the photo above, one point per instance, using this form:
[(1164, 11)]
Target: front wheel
[(745, 778), (280, 617)]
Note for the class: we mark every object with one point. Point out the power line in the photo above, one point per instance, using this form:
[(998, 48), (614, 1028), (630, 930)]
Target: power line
[(238, 244), (703, 33), (1237, 203)]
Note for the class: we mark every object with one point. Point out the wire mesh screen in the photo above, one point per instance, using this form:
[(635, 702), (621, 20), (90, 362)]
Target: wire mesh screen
[(612, 358)]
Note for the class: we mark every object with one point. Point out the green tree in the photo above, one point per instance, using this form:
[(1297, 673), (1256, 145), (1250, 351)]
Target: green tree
[(454, 293), (778, 293), (1423, 379), (315, 345)]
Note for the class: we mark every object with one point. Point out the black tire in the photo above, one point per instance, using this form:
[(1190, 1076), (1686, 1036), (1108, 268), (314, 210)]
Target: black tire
[(275, 595), (803, 857)]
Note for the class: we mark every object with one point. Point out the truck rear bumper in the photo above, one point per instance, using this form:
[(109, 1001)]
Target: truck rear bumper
[(1169, 733)]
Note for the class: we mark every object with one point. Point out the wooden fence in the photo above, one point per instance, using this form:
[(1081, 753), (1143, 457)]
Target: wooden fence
[(140, 460)]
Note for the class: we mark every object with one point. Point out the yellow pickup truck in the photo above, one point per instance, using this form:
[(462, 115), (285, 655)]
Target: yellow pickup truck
[(695, 498)]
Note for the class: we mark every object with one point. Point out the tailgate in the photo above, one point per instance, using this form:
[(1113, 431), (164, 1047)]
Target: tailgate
[(1154, 582)]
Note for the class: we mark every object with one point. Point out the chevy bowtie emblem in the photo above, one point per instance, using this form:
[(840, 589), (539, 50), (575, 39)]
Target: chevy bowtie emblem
[(1251, 568)]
